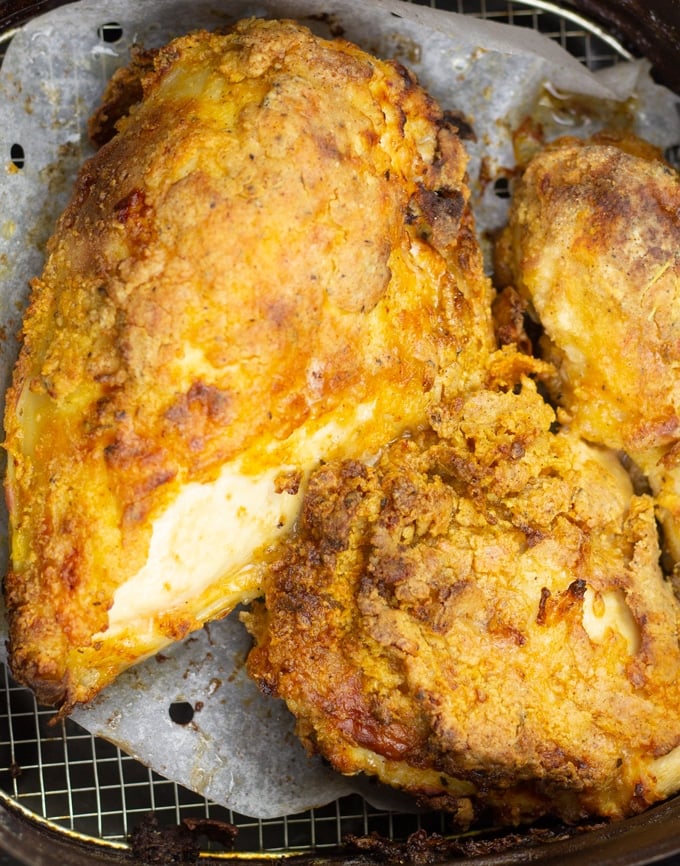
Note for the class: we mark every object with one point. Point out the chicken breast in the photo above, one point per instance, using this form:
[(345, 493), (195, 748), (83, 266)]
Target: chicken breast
[(480, 619), (593, 245), (271, 261)]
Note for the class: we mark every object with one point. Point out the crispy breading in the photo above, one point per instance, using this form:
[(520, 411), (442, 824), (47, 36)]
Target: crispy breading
[(593, 245), (271, 261), (480, 619)]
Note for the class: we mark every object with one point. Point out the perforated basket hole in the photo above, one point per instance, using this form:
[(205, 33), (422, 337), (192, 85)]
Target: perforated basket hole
[(110, 32), (181, 712), (17, 155)]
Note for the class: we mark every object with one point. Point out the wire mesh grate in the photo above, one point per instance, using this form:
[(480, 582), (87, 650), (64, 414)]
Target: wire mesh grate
[(83, 784), (78, 783)]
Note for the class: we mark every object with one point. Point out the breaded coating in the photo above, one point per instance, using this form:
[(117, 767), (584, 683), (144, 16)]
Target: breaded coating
[(480, 619), (593, 245), (270, 262)]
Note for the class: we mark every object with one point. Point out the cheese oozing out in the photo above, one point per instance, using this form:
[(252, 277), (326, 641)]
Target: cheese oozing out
[(211, 538)]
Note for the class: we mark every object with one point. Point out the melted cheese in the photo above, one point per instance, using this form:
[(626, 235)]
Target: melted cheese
[(606, 612), (212, 532)]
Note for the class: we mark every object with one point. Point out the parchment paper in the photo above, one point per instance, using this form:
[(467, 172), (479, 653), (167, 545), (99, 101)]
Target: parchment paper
[(239, 749)]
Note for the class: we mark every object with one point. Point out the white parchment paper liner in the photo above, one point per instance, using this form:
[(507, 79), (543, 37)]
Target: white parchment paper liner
[(239, 749)]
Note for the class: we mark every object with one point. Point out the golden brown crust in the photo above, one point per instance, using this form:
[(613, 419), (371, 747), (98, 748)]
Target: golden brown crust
[(269, 241), (593, 236), (429, 623), (593, 245)]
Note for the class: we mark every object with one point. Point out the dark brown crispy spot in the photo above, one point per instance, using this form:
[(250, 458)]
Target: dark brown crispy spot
[(357, 721), (510, 316), (441, 204), (215, 830), (405, 74), (461, 124), (134, 212), (153, 843), (436, 214), (201, 400), (554, 608), (532, 534), (131, 207), (541, 616)]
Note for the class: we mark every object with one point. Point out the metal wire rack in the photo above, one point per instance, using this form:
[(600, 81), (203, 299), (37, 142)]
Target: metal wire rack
[(63, 777)]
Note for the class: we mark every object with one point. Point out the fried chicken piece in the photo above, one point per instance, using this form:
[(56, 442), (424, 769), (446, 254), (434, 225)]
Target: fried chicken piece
[(272, 261), (480, 619), (593, 245)]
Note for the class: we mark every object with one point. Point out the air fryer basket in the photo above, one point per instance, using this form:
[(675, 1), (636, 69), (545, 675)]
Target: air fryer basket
[(67, 797)]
